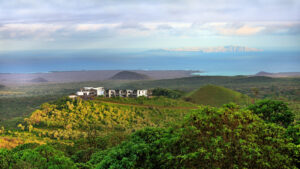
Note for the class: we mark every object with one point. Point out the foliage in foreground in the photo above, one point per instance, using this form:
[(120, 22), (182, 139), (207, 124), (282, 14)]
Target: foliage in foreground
[(42, 157), (273, 111), (226, 137), (209, 138)]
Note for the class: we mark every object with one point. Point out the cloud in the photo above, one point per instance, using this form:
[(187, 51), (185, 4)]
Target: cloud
[(94, 11), (52, 32), (94, 27), (146, 22), (29, 31), (285, 28), (132, 25), (244, 30), (164, 26)]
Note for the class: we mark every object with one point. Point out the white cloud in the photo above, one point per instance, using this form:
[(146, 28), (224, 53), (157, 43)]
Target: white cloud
[(243, 31), (31, 28), (94, 27), (30, 31)]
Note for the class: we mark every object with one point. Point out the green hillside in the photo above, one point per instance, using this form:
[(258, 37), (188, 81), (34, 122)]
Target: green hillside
[(152, 133), (216, 96)]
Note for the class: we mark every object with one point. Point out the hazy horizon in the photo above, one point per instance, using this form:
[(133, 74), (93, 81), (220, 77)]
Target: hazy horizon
[(213, 63)]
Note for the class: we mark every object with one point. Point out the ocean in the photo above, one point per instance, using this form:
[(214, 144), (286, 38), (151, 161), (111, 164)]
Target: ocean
[(230, 63)]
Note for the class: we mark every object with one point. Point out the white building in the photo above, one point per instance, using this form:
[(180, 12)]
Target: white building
[(110, 93), (91, 91), (100, 91), (140, 93)]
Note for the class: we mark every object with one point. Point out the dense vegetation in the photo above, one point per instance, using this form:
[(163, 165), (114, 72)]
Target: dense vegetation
[(174, 94), (287, 89), (267, 87), (208, 138), (74, 119), (97, 134), (216, 96), (273, 111), (158, 132), (154, 101), (14, 110)]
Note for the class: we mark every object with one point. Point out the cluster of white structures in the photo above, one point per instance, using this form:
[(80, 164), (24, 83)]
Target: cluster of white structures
[(101, 91)]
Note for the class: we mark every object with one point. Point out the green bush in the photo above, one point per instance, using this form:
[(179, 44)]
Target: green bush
[(141, 151), (293, 131), (174, 94), (5, 158), (209, 138), (273, 111), (42, 157)]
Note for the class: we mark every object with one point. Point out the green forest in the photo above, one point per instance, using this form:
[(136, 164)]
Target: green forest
[(18, 102), (157, 132), (196, 122)]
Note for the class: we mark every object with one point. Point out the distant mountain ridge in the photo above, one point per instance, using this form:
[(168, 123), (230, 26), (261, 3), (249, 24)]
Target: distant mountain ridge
[(128, 75), (279, 74), (215, 49)]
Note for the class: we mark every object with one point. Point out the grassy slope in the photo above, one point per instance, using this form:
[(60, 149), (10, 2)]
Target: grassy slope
[(216, 96)]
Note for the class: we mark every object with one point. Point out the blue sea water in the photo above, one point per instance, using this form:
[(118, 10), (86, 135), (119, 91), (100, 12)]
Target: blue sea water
[(241, 63)]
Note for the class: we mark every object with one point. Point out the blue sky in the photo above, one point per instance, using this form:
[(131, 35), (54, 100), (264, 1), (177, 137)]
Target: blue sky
[(122, 24)]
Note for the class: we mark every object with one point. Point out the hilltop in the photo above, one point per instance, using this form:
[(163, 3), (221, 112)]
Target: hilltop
[(216, 96), (128, 75)]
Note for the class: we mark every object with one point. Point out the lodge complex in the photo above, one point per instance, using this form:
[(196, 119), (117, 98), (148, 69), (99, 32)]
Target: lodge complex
[(101, 91)]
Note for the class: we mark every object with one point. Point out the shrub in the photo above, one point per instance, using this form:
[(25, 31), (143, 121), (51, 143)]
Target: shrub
[(209, 138), (273, 111), (174, 94), (41, 157), (5, 158)]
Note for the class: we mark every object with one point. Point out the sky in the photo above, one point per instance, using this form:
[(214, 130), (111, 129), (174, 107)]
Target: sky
[(150, 24)]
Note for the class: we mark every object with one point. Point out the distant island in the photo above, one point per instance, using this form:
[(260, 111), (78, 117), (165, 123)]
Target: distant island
[(279, 74), (215, 49)]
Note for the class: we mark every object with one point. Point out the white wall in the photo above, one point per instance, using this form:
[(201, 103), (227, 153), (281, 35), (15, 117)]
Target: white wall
[(141, 93)]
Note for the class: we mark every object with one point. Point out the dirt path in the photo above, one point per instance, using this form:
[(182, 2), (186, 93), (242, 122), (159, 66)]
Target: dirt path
[(147, 106)]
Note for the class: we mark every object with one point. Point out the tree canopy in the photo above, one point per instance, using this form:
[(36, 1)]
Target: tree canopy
[(273, 111), (228, 137), (174, 94)]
